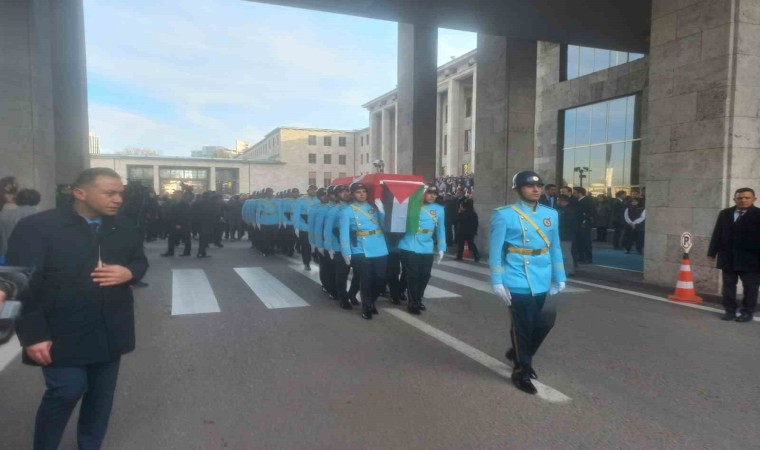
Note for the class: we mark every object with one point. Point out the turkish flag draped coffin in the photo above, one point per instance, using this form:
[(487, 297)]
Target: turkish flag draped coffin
[(398, 196)]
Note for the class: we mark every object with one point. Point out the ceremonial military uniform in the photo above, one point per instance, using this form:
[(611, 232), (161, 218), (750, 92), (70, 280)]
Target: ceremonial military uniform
[(526, 259), (301, 223), (322, 231), (268, 218), (288, 220), (417, 248), (361, 237), (332, 246)]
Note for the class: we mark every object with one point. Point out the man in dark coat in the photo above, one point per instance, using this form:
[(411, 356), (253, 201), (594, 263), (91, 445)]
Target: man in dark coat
[(179, 223), (736, 243), (585, 210), (78, 314), (617, 216)]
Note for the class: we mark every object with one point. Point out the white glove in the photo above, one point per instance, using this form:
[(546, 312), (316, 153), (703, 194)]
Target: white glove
[(557, 287), (347, 259), (332, 254), (296, 230), (503, 293), (320, 251), (440, 256), (282, 225), (258, 225)]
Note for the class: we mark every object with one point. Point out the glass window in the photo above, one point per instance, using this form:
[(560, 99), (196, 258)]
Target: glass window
[(312, 158), (341, 142), (445, 144), (328, 178), (327, 159), (312, 139), (468, 107), (582, 61), (342, 160), (599, 123), (603, 155), (362, 158), (327, 140), (467, 140)]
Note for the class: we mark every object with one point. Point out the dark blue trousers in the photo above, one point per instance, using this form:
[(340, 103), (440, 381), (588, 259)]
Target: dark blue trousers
[(531, 323), (94, 384)]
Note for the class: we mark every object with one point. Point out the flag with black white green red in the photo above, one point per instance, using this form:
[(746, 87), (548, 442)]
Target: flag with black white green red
[(402, 202)]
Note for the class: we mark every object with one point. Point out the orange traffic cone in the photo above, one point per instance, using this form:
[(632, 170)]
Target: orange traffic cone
[(467, 253), (685, 287)]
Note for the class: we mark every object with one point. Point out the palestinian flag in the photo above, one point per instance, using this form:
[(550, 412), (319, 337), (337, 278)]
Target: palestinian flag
[(401, 202)]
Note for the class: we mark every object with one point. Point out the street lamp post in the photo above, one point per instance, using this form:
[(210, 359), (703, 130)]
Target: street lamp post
[(582, 173)]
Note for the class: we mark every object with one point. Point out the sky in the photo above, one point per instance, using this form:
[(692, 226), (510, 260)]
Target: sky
[(174, 76)]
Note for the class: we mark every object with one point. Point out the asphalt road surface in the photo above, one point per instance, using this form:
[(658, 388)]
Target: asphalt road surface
[(241, 351)]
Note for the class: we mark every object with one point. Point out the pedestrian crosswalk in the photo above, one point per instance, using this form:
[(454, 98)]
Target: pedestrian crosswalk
[(192, 291)]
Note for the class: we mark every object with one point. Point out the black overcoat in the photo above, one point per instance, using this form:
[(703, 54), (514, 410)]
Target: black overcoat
[(87, 323), (737, 244)]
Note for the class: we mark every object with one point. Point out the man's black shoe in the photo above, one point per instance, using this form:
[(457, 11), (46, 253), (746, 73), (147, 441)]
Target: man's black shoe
[(523, 383), (167, 254), (744, 317), (354, 301), (367, 315), (510, 355), (413, 310), (728, 315), (422, 307)]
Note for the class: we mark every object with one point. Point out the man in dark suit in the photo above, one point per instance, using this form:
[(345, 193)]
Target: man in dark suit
[(617, 213), (585, 210), (78, 313), (736, 243), (549, 197)]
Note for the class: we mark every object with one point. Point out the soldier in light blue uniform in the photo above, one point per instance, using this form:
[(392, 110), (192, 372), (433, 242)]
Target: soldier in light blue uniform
[(287, 217), (268, 220), (316, 222), (526, 265), (249, 217), (417, 249), (301, 225), (326, 263), (332, 245), (362, 244)]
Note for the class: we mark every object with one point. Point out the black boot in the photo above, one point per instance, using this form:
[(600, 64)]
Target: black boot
[(521, 380)]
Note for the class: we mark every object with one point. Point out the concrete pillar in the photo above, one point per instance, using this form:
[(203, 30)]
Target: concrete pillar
[(701, 132), (474, 117), (375, 125), (385, 140), (211, 178), (27, 131), (156, 180), (394, 141), (454, 128), (69, 90), (505, 117), (417, 88)]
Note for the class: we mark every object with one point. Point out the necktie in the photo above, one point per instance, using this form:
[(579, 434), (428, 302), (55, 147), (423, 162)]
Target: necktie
[(739, 217), (94, 227)]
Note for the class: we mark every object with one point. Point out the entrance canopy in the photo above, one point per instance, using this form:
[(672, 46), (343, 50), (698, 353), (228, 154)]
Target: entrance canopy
[(610, 24)]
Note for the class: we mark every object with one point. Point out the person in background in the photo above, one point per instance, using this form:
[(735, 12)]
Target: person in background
[(617, 217), (568, 228), (736, 243), (549, 197), (602, 217), (585, 210), (467, 228), (8, 190), (26, 201), (634, 215)]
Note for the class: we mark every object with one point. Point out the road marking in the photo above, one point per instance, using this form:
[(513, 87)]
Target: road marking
[(9, 351), (477, 284), (191, 293), (544, 392), (617, 268), (269, 289), (431, 292), (653, 297)]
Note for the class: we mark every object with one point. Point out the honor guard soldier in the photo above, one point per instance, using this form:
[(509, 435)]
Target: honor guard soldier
[(268, 220), (526, 265), (301, 215), (362, 244), (316, 215), (288, 209), (332, 245), (417, 248), (326, 265)]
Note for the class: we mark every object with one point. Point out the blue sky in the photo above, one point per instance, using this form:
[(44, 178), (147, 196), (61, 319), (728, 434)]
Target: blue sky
[(174, 76)]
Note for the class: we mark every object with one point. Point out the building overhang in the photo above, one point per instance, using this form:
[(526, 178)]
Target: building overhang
[(611, 24)]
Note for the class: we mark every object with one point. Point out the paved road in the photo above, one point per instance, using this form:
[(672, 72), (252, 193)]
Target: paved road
[(288, 369)]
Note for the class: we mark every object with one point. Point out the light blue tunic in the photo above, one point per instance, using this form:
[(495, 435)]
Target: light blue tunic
[(302, 207), (362, 218), (267, 212), (420, 240)]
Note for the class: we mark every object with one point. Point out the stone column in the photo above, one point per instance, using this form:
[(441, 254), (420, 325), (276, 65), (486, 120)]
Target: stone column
[(417, 88), (474, 117), (69, 90), (212, 178), (454, 128), (27, 131), (374, 136), (505, 115), (701, 133), (385, 140)]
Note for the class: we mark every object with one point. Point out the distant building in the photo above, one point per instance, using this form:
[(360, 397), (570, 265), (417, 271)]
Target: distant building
[(241, 146), (94, 144), (214, 151)]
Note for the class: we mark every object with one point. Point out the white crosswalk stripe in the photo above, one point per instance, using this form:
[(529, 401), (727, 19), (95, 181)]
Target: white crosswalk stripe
[(478, 284), (269, 289), (192, 293)]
